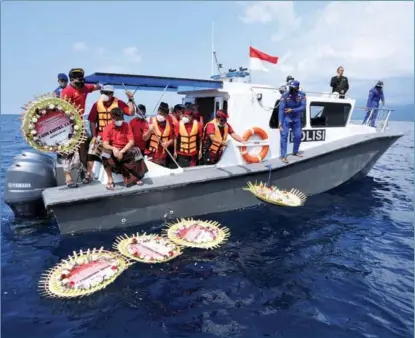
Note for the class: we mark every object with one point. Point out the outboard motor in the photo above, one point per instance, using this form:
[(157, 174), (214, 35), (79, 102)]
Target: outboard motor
[(26, 178)]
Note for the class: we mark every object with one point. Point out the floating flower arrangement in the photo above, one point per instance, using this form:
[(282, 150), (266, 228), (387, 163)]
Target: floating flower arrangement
[(273, 195)]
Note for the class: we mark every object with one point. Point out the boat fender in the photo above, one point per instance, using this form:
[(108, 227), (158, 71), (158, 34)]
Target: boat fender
[(257, 158)]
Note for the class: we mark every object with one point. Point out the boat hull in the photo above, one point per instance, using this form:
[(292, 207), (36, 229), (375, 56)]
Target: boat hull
[(322, 169)]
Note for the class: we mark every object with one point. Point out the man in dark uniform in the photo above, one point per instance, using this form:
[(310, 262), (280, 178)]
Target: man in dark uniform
[(339, 83)]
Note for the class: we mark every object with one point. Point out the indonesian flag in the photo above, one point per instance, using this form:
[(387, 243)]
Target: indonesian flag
[(258, 58)]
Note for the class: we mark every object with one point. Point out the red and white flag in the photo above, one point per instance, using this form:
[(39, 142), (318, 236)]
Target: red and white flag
[(258, 59)]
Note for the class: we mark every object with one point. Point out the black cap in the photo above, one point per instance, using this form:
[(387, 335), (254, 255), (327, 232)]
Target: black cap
[(178, 107), (142, 108), (76, 73), (164, 107), (117, 112), (289, 78)]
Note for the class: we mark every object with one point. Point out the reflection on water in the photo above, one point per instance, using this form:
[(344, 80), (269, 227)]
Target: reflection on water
[(342, 266)]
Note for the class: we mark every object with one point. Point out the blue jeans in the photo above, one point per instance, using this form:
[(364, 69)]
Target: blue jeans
[(295, 126), (372, 118)]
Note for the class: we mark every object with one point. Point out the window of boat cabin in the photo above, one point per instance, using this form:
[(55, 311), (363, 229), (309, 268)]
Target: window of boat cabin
[(206, 107), (273, 122), (329, 114), (225, 105)]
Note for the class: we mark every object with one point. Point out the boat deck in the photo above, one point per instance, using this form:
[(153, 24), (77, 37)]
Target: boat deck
[(97, 190)]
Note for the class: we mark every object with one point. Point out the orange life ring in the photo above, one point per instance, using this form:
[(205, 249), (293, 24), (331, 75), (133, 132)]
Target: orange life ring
[(257, 158)]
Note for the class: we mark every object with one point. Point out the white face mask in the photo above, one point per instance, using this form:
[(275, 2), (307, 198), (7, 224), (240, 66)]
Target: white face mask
[(185, 120), (104, 97), (118, 123), (161, 118)]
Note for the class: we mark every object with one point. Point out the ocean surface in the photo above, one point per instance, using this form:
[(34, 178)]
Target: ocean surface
[(342, 266)]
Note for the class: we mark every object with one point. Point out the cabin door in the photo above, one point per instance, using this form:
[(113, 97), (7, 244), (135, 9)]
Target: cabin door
[(206, 108)]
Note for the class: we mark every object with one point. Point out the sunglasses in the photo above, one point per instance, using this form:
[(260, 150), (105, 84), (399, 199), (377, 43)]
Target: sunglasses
[(222, 120), (107, 93)]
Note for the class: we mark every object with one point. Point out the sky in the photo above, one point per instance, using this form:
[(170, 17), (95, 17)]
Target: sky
[(371, 40)]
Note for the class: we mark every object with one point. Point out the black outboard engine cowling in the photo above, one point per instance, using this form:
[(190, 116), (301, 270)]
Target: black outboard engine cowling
[(26, 178)]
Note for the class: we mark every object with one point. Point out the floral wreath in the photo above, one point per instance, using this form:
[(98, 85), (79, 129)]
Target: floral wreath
[(44, 105), (197, 233), (83, 273), (148, 249), (273, 195)]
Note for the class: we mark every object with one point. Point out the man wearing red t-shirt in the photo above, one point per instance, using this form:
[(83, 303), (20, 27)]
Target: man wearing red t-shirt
[(99, 117), (188, 141), (215, 137), (139, 126), (125, 158), (196, 114), (76, 93), (159, 136)]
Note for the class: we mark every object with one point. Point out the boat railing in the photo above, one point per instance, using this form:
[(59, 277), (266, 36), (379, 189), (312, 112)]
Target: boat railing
[(328, 95), (376, 117)]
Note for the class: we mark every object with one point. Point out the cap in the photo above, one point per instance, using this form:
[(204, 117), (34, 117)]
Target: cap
[(222, 114), (142, 108), (294, 84), (107, 88), (117, 112), (76, 72), (289, 78), (379, 83), (178, 107), (62, 77), (164, 107)]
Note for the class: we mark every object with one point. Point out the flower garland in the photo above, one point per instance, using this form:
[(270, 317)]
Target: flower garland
[(39, 110)]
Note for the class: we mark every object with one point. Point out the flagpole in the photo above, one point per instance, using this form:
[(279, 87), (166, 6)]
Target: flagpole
[(213, 48), (249, 62)]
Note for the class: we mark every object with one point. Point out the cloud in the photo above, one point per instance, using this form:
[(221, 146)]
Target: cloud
[(79, 46), (131, 55), (372, 40)]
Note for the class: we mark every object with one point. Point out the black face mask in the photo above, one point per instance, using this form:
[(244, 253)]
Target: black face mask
[(378, 87), (80, 83), (293, 90)]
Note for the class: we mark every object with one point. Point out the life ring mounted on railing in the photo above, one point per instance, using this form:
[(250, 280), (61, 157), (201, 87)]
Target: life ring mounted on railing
[(257, 158)]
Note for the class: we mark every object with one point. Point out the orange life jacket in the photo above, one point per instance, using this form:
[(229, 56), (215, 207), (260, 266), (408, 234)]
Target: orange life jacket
[(104, 113), (187, 143), (157, 137), (214, 147)]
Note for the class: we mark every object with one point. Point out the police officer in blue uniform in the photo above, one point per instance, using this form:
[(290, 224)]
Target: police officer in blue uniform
[(292, 106), (375, 95), (63, 82)]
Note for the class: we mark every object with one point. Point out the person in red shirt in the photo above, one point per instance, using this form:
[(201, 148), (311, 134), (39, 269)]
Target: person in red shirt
[(215, 137), (98, 118), (139, 126), (76, 93), (159, 136), (174, 118), (188, 141), (123, 157)]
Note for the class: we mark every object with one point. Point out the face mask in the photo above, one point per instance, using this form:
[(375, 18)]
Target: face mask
[(293, 90), (161, 118), (118, 123), (62, 84), (80, 83), (104, 97), (378, 87), (185, 120)]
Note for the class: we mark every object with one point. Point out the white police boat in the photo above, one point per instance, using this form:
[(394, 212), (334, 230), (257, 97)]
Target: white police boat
[(335, 151)]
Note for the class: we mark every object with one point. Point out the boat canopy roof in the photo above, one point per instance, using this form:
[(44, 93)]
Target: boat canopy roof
[(155, 83)]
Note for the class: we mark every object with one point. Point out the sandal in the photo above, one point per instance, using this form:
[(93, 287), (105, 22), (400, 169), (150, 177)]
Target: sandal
[(298, 155), (284, 159), (110, 186), (88, 179), (70, 184), (140, 182)]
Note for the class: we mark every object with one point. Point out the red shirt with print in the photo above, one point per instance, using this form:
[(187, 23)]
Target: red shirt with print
[(210, 129), (93, 114), (139, 127), (160, 154), (77, 96), (118, 137)]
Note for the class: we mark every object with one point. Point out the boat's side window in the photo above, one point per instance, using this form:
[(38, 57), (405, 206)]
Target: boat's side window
[(225, 105), (329, 114), (217, 107)]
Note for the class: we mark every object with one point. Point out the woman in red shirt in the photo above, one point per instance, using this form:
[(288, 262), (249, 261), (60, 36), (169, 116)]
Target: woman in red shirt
[(123, 157)]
